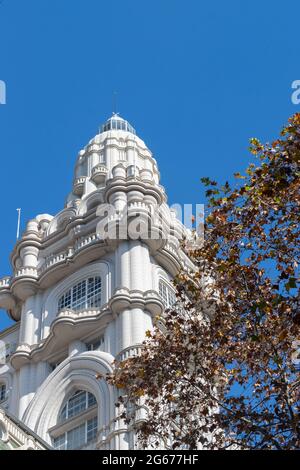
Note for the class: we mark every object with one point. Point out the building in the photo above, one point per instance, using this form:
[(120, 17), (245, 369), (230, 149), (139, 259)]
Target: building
[(15, 435), (86, 285)]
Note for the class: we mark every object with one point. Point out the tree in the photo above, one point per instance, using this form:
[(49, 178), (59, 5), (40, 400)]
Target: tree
[(219, 369)]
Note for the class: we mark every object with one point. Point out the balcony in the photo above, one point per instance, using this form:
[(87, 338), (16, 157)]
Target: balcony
[(78, 185), (5, 282), (27, 272), (7, 301), (99, 173)]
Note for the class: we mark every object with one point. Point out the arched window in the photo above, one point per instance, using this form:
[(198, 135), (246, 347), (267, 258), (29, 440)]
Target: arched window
[(85, 294), (2, 392), (167, 294), (78, 419)]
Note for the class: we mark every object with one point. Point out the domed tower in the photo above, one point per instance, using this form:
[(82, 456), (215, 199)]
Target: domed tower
[(86, 286)]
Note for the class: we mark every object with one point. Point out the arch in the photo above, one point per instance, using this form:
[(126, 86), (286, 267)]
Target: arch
[(77, 372), (50, 307), (60, 221), (90, 202)]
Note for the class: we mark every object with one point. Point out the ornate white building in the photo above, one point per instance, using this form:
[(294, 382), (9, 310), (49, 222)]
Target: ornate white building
[(82, 298)]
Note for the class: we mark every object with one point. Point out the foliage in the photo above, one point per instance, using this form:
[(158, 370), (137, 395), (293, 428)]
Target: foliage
[(218, 370)]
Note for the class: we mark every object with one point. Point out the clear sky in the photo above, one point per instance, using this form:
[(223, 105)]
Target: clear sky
[(196, 79)]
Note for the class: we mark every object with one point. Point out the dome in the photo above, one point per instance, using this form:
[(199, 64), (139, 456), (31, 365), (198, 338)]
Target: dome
[(116, 123)]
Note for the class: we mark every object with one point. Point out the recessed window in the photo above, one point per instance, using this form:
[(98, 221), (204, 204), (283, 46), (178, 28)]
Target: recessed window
[(75, 437), (96, 344), (167, 294), (2, 392), (85, 294)]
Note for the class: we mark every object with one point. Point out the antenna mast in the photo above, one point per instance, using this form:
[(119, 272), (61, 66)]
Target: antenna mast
[(115, 93), (19, 220)]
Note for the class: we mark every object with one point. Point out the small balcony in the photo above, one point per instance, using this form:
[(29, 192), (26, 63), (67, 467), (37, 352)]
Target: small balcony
[(78, 185), (5, 282), (99, 173)]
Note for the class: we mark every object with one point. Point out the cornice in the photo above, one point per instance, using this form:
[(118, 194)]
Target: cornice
[(127, 184), (124, 298)]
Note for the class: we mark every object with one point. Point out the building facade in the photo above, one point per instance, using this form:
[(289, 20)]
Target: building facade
[(86, 286)]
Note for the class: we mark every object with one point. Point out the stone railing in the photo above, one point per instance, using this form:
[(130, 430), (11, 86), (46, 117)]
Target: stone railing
[(68, 312), (26, 272), (99, 173), (129, 352), (5, 282), (14, 433), (78, 185), (99, 168), (54, 259), (85, 241)]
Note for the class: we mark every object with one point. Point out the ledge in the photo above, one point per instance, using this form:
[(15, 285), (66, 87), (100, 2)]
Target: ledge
[(128, 299), (68, 326)]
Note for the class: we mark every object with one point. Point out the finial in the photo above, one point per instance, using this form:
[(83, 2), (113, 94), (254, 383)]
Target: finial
[(115, 93)]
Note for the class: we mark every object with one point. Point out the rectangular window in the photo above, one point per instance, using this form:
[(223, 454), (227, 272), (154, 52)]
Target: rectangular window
[(76, 437), (95, 345), (167, 294), (59, 443), (92, 429), (163, 292), (94, 292), (85, 294), (2, 392)]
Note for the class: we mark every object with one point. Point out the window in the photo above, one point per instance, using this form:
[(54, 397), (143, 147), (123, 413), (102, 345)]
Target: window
[(77, 437), (167, 294), (85, 294), (85, 431), (78, 402), (96, 344), (2, 392)]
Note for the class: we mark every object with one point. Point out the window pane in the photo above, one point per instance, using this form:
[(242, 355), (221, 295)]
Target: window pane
[(167, 294), (76, 404), (79, 295), (91, 400), (85, 294), (76, 437), (92, 429), (172, 297), (59, 442), (94, 292), (65, 301), (63, 414), (163, 292)]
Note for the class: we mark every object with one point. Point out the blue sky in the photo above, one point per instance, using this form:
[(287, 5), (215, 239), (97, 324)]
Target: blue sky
[(197, 80)]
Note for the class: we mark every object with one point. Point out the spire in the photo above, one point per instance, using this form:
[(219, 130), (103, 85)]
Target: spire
[(117, 123)]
